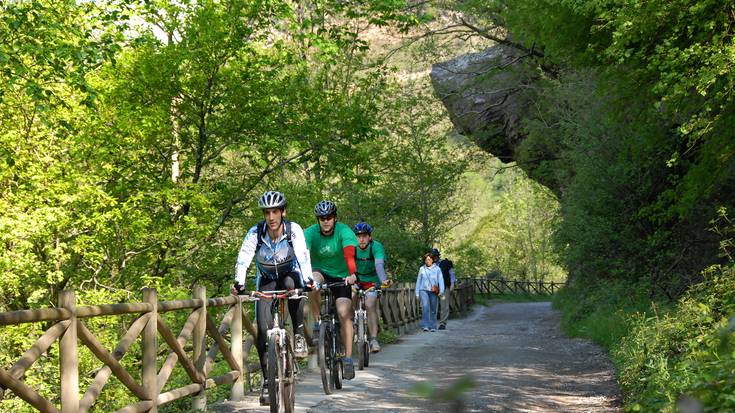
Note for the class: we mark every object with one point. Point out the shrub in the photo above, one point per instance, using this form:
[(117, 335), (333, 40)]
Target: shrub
[(687, 351)]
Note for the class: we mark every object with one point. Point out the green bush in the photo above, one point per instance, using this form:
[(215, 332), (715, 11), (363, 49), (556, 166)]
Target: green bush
[(663, 352), (599, 310), (687, 351)]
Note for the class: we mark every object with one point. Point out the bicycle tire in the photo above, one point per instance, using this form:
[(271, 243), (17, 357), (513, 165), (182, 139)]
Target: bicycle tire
[(339, 352), (326, 357), (337, 374), (289, 378), (361, 353), (367, 353), (273, 374)]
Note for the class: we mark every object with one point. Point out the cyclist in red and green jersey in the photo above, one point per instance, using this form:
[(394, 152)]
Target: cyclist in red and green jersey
[(332, 246), (370, 257)]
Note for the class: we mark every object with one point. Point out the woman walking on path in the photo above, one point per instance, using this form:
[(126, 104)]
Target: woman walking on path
[(429, 285)]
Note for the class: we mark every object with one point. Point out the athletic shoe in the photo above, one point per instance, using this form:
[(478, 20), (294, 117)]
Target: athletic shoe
[(300, 349), (348, 368), (264, 399), (442, 327), (374, 346), (424, 329), (433, 330)]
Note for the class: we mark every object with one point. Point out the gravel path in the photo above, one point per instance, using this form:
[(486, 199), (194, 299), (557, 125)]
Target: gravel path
[(515, 355)]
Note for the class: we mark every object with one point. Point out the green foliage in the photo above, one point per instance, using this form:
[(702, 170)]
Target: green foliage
[(409, 189), (136, 136), (45, 45), (664, 353), (599, 310), (452, 394), (513, 233), (386, 336), (688, 350), (631, 125), (639, 124)]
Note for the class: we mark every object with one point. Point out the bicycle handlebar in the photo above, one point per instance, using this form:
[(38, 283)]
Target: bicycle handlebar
[(279, 294), (358, 289), (324, 286)]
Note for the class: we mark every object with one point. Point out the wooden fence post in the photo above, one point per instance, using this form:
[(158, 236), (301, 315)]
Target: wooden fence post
[(68, 357), (237, 392), (199, 401), (150, 349)]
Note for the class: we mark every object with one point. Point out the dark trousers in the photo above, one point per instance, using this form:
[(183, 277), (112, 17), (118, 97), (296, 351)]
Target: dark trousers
[(264, 317)]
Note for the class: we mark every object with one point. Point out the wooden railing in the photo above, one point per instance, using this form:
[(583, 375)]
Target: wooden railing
[(502, 286), (70, 328), (400, 313)]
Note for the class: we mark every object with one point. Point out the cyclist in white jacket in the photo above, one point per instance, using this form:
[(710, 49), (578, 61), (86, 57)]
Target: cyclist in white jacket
[(282, 262)]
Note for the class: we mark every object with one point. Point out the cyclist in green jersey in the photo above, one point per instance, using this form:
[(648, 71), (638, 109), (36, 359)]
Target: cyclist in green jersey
[(332, 246), (370, 257)]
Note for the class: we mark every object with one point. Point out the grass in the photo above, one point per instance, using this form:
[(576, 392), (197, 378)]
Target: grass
[(386, 335), (600, 313)]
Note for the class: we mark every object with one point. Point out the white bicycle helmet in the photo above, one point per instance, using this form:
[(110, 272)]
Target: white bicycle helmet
[(272, 199)]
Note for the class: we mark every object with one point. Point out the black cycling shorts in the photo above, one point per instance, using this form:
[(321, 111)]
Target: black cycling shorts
[(344, 291)]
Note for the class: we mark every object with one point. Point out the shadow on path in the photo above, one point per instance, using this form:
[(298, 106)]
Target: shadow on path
[(515, 353)]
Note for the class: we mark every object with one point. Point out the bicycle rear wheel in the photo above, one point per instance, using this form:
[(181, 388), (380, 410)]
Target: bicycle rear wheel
[(326, 356), (274, 377)]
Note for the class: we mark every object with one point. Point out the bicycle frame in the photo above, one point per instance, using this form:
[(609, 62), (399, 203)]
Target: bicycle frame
[(329, 330), (281, 365), (361, 327)]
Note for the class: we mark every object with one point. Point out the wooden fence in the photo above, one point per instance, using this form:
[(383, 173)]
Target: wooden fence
[(69, 328), (399, 306), (502, 286)]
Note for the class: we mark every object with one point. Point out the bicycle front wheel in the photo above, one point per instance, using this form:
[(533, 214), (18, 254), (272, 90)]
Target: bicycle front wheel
[(338, 351), (289, 377), (326, 357), (361, 341), (274, 377)]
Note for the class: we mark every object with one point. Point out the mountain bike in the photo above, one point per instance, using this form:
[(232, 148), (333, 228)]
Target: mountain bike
[(280, 361), (361, 327), (330, 349)]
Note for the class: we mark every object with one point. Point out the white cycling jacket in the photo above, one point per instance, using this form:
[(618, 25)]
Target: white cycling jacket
[(274, 257)]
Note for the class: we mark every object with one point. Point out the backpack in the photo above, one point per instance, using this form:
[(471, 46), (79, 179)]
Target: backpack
[(263, 227), (371, 257)]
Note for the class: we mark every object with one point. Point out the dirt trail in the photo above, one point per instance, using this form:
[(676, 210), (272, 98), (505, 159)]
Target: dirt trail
[(515, 353)]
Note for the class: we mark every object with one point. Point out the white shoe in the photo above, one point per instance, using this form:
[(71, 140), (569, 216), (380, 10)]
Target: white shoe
[(374, 346), (300, 349)]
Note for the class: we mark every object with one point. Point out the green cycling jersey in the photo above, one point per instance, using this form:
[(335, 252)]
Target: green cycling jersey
[(326, 252)]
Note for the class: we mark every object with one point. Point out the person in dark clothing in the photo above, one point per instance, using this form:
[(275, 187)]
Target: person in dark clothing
[(447, 268)]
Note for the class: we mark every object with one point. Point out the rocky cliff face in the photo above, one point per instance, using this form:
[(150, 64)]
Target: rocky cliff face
[(485, 95)]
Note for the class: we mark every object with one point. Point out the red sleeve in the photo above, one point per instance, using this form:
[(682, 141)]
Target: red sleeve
[(349, 252)]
